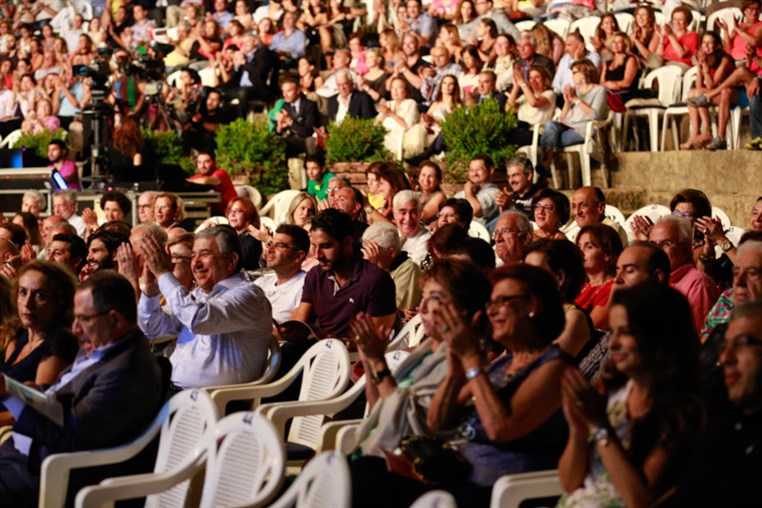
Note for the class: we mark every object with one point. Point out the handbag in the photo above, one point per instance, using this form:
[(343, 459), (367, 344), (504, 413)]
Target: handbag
[(616, 104), (434, 460)]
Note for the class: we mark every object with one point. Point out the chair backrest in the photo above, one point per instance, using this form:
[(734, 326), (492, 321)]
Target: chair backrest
[(191, 415), (625, 21), (559, 26), (277, 206), (11, 139), (323, 483), (512, 490), (525, 25), (477, 230), (721, 214), (669, 78), (435, 499), (407, 334), (267, 222), (587, 27), (653, 212), (660, 18), (614, 214), (245, 461), (248, 191), (325, 374), (689, 79), (726, 14), (274, 358)]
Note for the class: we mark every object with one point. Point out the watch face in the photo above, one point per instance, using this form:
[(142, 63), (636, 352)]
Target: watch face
[(726, 246)]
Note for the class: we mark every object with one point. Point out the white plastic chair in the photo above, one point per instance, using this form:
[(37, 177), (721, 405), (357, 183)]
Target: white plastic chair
[(245, 462), (653, 212), (247, 191), (614, 214), (625, 21), (267, 222), (728, 15), (310, 415), (660, 18), (670, 81), (478, 230), (591, 147), (325, 370), (532, 151), (409, 336), (435, 499), (721, 214), (340, 434), (587, 27), (512, 490), (11, 139), (527, 24), (323, 483), (244, 466), (678, 109), (278, 204), (559, 26), (274, 358), (181, 423)]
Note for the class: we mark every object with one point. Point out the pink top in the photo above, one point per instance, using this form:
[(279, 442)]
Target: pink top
[(689, 42), (70, 175), (700, 290), (594, 296)]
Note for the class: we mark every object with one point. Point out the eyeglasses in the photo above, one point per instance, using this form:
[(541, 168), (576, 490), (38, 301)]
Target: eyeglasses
[(665, 244), (507, 231), (752, 273), (740, 342), (687, 215), (504, 301), (278, 245), (86, 319), (547, 208)]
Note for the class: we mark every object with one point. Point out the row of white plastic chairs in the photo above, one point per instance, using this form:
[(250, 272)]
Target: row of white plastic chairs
[(246, 467)]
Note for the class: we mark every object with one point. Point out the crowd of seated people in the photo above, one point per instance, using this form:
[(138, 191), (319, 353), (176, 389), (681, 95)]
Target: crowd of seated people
[(604, 358), (408, 72)]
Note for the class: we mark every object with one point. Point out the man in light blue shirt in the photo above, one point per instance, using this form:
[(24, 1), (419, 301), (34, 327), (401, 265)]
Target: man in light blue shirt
[(289, 43), (575, 51), (223, 326)]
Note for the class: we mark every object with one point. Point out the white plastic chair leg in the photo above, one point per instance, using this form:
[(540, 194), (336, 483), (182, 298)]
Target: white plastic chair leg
[(653, 127)]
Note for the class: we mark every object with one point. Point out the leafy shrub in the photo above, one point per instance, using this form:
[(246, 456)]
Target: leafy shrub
[(250, 148), (356, 140), (482, 128), (165, 148), (39, 142)]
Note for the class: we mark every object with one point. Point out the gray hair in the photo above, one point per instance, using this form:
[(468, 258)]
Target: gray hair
[(226, 238), (37, 196), (523, 162), (151, 229), (683, 226), (528, 36), (406, 196), (524, 225), (347, 74), (67, 194), (383, 234)]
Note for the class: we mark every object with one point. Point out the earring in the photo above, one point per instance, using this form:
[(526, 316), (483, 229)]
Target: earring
[(531, 314)]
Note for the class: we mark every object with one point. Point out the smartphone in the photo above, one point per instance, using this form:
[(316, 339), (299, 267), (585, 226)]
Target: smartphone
[(58, 180)]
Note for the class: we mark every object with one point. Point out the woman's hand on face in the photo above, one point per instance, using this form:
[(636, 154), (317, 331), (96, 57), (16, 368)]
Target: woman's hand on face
[(450, 326), (369, 341), (588, 404)]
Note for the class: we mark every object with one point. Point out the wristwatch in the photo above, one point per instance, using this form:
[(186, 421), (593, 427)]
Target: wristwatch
[(474, 372), (601, 435), (381, 374), (726, 246)]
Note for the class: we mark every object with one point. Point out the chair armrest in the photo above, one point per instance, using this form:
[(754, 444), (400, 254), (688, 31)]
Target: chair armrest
[(221, 395), (336, 435), (281, 412), (54, 477), (135, 486), (511, 490)]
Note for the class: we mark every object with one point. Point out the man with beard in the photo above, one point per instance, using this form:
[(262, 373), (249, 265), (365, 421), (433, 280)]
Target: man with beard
[(101, 247), (343, 284)]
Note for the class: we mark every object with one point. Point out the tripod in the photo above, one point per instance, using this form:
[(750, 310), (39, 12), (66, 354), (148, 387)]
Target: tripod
[(155, 98)]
